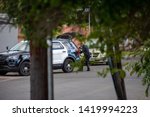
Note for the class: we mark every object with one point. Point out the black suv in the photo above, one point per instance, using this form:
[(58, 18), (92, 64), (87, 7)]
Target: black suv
[(17, 59)]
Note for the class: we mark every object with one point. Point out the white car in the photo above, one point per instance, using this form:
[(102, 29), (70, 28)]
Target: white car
[(96, 55), (64, 53)]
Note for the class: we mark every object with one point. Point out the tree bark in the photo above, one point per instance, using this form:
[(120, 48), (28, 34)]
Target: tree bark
[(119, 66), (118, 84), (38, 82), (117, 80)]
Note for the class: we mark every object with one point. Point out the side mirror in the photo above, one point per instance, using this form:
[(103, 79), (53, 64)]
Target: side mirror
[(7, 48)]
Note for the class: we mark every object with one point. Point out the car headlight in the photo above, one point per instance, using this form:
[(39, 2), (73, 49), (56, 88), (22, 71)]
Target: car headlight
[(13, 57), (12, 60)]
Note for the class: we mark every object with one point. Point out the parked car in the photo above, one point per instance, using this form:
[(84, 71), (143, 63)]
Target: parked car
[(97, 56), (17, 59), (73, 36), (64, 54)]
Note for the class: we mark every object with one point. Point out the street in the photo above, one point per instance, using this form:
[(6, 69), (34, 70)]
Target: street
[(73, 86)]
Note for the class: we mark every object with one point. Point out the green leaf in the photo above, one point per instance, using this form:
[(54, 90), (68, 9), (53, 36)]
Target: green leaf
[(104, 72), (55, 3)]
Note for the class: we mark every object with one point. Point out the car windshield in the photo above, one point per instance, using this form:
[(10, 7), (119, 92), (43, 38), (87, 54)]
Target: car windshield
[(68, 45), (22, 46)]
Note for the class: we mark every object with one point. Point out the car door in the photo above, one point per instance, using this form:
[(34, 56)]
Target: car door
[(59, 53)]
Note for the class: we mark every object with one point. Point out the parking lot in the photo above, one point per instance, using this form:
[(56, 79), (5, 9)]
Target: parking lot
[(73, 86)]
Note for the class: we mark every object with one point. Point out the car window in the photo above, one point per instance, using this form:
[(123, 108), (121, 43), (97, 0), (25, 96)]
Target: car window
[(73, 45), (57, 45), (68, 45), (22, 46)]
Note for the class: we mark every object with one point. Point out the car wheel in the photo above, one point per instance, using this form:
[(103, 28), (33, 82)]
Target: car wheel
[(24, 69), (3, 72), (67, 66)]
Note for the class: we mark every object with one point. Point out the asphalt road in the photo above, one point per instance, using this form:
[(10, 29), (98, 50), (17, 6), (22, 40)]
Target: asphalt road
[(73, 86)]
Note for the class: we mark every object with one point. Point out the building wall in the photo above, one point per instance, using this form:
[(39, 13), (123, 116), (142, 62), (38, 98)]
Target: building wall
[(75, 28), (8, 36)]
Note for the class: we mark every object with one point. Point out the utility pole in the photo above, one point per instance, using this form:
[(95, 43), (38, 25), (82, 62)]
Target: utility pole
[(87, 10), (50, 70)]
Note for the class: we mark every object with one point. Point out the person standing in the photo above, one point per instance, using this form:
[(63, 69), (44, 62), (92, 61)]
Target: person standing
[(87, 55)]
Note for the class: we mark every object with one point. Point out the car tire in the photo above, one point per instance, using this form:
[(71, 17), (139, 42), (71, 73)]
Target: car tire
[(24, 69), (67, 67), (3, 72)]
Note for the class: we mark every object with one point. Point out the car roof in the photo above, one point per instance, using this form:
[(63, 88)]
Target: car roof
[(53, 40), (61, 39)]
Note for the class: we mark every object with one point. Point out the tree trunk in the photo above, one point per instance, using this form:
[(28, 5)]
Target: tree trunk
[(118, 84), (119, 66), (39, 85), (117, 80)]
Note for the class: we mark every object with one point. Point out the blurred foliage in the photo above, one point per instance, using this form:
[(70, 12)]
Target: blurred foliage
[(141, 66), (114, 21), (111, 21), (39, 18), (79, 65)]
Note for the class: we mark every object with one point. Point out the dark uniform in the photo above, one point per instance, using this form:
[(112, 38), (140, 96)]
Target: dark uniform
[(87, 56)]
